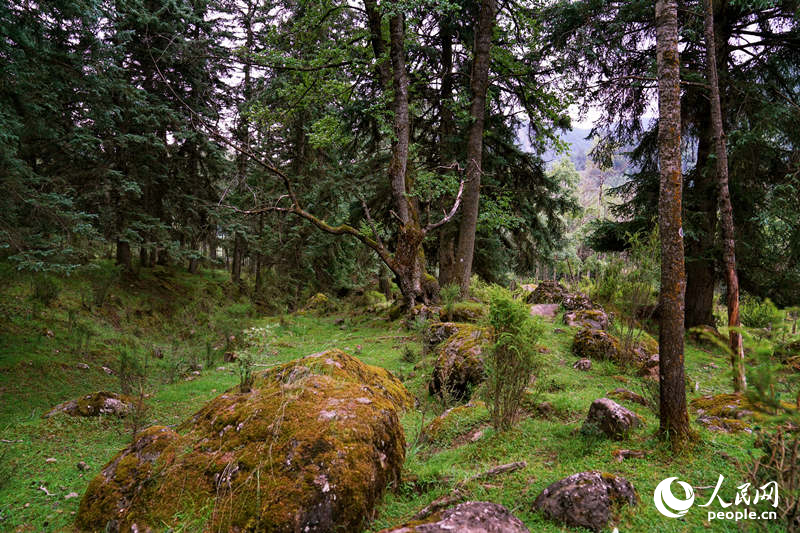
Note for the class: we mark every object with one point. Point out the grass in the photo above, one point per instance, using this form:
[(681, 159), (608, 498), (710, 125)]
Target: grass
[(181, 314)]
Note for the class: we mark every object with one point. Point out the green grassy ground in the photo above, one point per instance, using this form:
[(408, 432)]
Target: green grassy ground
[(185, 315)]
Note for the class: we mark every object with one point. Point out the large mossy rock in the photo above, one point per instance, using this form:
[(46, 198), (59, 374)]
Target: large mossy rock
[(586, 499), (548, 292), (596, 344), (468, 517), (436, 333), (459, 364), (310, 448), (465, 312), (95, 404), (588, 318)]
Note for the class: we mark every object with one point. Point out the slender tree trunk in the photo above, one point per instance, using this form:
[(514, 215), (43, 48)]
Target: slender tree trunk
[(236, 264), (124, 255), (448, 235), (674, 419), (479, 83), (143, 259), (212, 245), (700, 271), (725, 208)]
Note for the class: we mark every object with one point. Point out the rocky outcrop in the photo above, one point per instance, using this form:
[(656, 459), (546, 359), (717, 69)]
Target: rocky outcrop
[(611, 419), (436, 333), (552, 292), (586, 499), (95, 404), (459, 365), (310, 448), (468, 517), (596, 344), (465, 312), (587, 318)]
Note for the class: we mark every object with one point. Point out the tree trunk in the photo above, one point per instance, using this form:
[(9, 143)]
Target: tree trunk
[(479, 82), (700, 271), (384, 283), (447, 256), (212, 246), (236, 264), (725, 208), (674, 419), (124, 255), (447, 130), (143, 259)]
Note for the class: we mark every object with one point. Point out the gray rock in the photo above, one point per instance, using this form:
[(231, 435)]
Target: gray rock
[(585, 499), (587, 318), (468, 517), (583, 364), (610, 418)]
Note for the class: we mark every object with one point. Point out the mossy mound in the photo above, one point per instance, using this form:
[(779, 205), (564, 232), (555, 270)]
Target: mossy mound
[(436, 333), (459, 364), (465, 312), (454, 422), (723, 425), (588, 318), (626, 395), (319, 303), (312, 447), (548, 292), (95, 404), (596, 344), (723, 405), (420, 313)]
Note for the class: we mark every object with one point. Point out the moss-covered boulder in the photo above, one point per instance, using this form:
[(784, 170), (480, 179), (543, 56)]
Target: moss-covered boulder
[(319, 304), (310, 448), (596, 344), (436, 333), (609, 418), (467, 517), (586, 499), (421, 313), (454, 422), (626, 395), (587, 318), (95, 404), (465, 312), (459, 364), (548, 292)]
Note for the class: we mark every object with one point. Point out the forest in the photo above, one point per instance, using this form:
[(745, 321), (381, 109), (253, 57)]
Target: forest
[(399, 266)]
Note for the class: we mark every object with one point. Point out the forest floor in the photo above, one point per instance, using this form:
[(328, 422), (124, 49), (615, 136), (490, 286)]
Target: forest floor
[(189, 318)]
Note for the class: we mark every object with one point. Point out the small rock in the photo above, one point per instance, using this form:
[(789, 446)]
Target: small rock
[(195, 372), (82, 466), (50, 333), (50, 460), (338, 321), (610, 418), (468, 517), (545, 310), (582, 364), (586, 499), (229, 357), (221, 369), (107, 370), (71, 495), (83, 366), (587, 318)]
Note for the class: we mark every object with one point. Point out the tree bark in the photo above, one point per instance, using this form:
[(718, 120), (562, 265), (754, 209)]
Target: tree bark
[(700, 271), (124, 255), (725, 208), (674, 419), (479, 83), (236, 264), (447, 129)]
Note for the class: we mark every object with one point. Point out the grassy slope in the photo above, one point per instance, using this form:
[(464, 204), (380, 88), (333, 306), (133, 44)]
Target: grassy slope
[(38, 371)]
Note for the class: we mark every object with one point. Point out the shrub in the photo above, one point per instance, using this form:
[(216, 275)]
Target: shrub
[(512, 358), (45, 289), (450, 295), (758, 314)]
